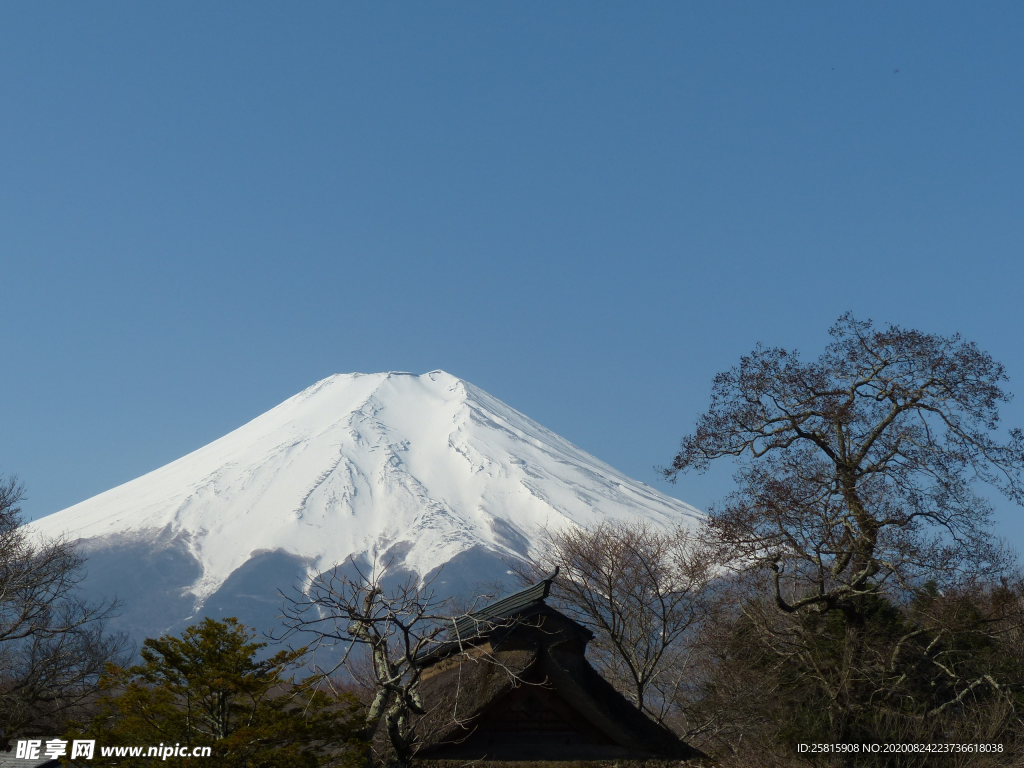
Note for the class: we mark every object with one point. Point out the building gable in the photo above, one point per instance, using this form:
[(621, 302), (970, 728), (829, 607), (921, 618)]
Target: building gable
[(514, 684)]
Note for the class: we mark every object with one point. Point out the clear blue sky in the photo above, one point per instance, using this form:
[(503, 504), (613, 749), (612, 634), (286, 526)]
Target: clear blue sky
[(587, 209)]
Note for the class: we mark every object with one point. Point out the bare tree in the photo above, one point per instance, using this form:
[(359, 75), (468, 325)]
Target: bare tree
[(53, 646), (859, 468), (394, 627), (856, 499), (640, 589)]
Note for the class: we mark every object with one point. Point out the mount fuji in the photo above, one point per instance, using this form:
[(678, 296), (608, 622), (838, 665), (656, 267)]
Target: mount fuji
[(419, 471)]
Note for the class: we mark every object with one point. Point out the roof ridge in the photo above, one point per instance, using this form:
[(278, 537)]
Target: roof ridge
[(535, 593)]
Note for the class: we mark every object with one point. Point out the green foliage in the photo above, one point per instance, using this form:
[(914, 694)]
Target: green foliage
[(209, 688)]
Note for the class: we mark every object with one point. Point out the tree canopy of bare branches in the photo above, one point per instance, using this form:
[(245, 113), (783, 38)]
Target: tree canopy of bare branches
[(394, 627), (640, 589), (857, 510), (860, 467), (52, 643)]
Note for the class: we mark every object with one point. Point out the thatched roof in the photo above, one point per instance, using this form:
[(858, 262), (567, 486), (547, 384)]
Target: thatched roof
[(519, 687), (497, 620), (514, 605)]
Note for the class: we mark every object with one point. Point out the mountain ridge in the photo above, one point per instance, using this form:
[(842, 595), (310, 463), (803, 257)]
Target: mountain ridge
[(424, 469)]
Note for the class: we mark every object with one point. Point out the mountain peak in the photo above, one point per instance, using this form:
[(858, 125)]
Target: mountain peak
[(421, 468)]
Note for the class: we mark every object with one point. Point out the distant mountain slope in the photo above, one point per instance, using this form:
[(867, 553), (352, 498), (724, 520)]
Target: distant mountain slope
[(422, 470)]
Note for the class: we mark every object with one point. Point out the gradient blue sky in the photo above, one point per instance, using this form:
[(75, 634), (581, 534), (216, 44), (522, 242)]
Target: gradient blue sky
[(587, 209)]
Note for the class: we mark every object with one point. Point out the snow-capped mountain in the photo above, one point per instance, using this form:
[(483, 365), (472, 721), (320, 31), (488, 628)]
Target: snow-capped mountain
[(423, 471)]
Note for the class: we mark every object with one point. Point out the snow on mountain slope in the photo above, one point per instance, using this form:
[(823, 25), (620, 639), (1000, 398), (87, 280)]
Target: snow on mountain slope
[(424, 468)]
